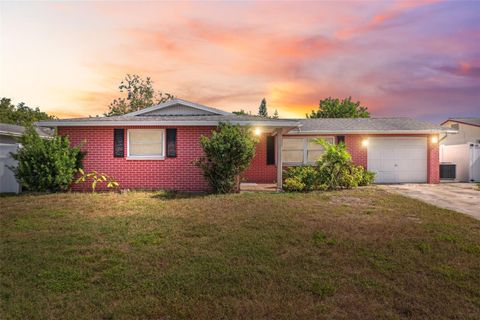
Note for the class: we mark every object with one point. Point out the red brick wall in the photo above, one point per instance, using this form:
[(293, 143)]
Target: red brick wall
[(172, 173), (433, 157), (179, 173), (259, 171)]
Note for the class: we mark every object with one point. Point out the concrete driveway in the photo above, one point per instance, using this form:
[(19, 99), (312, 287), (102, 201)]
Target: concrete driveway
[(461, 197)]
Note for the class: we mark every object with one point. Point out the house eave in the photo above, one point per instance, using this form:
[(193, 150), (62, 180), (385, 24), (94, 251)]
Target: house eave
[(426, 131), (10, 134), (273, 124)]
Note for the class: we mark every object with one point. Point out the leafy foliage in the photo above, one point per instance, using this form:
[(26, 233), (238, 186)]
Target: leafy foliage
[(262, 110), (241, 112), (46, 164), (335, 108), (140, 94), (334, 170), (337, 171), (96, 178), (228, 152), (301, 178), (20, 114)]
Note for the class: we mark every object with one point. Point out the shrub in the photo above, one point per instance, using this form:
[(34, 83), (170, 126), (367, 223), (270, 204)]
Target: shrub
[(304, 178), (97, 177), (368, 177), (46, 164), (227, 153), (337, 171), (334, 170)]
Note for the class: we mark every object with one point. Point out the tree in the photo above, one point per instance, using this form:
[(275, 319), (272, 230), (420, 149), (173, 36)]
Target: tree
[(20, 114), (262, 110), (140, 94), (334, 108), (275, 114), (46, 164), (227, 153), (241, 112)]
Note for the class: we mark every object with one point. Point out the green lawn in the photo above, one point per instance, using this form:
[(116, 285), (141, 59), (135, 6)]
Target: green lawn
[(352, 254)]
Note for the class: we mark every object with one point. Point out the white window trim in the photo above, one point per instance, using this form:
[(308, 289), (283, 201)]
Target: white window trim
[(305, 149), (162, 157)]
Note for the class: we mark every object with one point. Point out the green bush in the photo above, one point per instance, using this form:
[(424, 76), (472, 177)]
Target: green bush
[(303, 178), (227, 153), (334, 170), (368, 177), (46, 164)]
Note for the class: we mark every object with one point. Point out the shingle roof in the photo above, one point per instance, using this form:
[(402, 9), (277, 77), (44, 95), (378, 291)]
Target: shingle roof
[(471, 121), (18, 131), (171, 120), (366, 125)]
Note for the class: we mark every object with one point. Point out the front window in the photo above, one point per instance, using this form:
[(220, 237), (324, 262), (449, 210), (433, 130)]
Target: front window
[(302, 151), (146, 143)]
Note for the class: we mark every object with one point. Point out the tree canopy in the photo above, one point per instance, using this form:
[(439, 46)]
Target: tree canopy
[(262, 109), (20, 114), (241, 112), (140, 95), (335, 108)]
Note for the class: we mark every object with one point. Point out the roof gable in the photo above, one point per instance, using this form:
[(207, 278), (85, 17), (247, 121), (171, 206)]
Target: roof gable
[(468, 121), (178, 107)]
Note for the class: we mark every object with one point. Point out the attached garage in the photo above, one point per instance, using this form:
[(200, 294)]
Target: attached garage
[(398, 159)]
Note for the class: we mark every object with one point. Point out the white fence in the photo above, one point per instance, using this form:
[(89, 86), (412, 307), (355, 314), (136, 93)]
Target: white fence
[(8, 183), (466, 157)]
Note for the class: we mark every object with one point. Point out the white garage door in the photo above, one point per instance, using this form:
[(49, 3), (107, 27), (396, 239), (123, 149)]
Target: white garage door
[(398, 159)]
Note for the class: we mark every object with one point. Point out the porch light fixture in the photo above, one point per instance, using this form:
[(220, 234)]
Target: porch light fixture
[(434, 139), (258, 131), (365, 142)]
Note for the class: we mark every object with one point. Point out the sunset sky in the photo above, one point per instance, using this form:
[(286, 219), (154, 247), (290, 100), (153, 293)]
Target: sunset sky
[(419, 59)]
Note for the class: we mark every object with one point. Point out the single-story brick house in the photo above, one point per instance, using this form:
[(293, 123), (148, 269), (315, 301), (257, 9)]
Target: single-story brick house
[(154, 148)]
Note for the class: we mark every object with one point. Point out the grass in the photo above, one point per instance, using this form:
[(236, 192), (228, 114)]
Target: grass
[(352, 255)]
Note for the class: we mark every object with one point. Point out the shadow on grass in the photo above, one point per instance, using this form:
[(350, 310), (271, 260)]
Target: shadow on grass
[(171, 195)]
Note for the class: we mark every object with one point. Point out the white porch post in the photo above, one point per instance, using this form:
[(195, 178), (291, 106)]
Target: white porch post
[(279, 145)]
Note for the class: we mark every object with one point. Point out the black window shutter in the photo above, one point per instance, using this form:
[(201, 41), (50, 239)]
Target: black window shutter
[(341, 139), (118, 143), (270, 150), (171, 143)]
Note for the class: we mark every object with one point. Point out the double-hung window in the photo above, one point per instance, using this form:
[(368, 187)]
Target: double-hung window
[(302, 151), (146, 144)]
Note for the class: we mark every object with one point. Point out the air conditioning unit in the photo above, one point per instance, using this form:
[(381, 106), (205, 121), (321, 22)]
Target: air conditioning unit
[(448, 171)]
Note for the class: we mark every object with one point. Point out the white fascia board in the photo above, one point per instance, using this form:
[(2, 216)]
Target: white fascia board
[(426, 131), (162, 123), (181, 102), (10, 134)]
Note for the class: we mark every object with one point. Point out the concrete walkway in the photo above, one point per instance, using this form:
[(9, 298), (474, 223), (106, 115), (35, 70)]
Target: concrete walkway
[(461, 197), (258, 187)]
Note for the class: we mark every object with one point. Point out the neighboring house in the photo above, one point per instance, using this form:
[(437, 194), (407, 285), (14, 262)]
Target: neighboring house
[(10, 135), (154, 148), (461, 149), (468, 131)]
